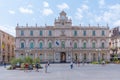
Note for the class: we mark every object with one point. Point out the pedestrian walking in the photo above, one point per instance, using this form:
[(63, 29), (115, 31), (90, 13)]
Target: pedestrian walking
[(26, 67), (37, 67), (71, 65)]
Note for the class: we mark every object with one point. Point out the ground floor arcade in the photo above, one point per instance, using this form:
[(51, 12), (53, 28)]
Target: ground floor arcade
[(65, 56)]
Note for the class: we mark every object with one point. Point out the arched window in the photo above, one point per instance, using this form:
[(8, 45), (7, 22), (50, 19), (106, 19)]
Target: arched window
[(85, 57), (75, 45), (84, 45), (31, 45), (93, 33), (50, 45), (41, 45), (93, 45), (103, 45), (22, 45), (63, 44)]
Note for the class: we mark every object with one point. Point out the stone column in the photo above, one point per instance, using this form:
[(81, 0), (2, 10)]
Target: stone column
[(90, 59), (80, 57), (45, 56), (107, 56)]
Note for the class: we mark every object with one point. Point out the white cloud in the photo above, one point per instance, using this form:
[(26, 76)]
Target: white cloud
[(47, 11), (79, 14), (84, 7), (116, 23), (80, 11), (111, 15), (63, 6), (45, 4), (70, 17), (85, 1), (30, 6), (11, 12), (8, 29), (101, 2), (25, 10)]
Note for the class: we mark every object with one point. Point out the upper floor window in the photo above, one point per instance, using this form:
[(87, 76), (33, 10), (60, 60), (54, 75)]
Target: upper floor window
[(63, 44), (84, 45), (31, 33), (75, 45), (50, 33), (75, 33), (103, 33), (93, 45), (22, 33), (93, 33), (103, 45), (31, 45), (50, 45), (84, 33), (41, 33), (41, 45), (22, 45)]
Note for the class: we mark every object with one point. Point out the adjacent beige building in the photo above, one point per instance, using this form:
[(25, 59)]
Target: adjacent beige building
[(63, 41), (115, 41), (7, 44)]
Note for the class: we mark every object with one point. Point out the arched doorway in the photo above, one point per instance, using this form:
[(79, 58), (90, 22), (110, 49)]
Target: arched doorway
[(62, 57), (76, 58)]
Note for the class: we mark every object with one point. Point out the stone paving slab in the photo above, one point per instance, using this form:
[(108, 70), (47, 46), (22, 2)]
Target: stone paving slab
[(63, 72)]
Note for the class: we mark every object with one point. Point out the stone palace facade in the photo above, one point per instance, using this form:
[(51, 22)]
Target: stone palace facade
[(63, 42)]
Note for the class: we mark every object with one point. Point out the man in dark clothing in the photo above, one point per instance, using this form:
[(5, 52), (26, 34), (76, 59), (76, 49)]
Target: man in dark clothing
[(37, 67)]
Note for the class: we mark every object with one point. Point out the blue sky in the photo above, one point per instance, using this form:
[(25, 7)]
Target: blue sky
[(43, 12)]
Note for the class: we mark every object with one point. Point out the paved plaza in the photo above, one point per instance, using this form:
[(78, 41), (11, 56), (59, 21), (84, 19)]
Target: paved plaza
[(63, 72)]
